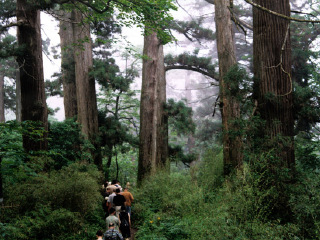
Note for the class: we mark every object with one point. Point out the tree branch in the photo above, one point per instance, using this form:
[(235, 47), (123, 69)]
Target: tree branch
[(210, 1), (191, 68), (127, 107), (239, 22), (12, 24), (279, 14)]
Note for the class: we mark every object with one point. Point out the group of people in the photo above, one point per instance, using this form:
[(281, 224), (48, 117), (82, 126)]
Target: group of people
[(117, 205)]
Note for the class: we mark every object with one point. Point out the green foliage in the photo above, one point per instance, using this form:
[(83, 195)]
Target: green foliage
[(12, 155), (185, 59), (304, 203), (237, 83), (306, 106), (126, 162), (192, 30), (181, 125), (180, 117), (163, 229), (209, 172), (176, 153), (62, 204), (7, 10), (160, 204), (64, 140), (53, 88), (59, 224), (10, 139), (8, 47), (151, 15), (208, 133), (242, 206), (305, 74), (307, 153), (74, 187)]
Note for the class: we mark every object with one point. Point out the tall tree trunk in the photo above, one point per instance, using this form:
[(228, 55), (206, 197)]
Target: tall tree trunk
[(273, 95), (230, 109), (1, 182), (33, 98), (2, 119), (2, 116), (18, 97), (153, 149), (85, 84), (68, 66), (272, 70), (188, 86)]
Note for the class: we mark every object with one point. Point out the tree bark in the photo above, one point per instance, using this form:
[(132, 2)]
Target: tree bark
[(33, 98), (85, 84), (273, 82), (2, 116), (68, 66), (1, 182), (18, 97), (153, 149), (230, 109)]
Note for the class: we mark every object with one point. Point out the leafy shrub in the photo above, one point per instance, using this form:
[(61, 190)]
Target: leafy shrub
[(64, 204), (165, 228), (64, 142), (74, 187), (46, 223), (127, 165), (210, 170), (305, 204), (167, 197), (172, 206)]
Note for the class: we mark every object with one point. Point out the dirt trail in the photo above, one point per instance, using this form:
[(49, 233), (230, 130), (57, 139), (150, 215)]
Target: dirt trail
[(133, 233)]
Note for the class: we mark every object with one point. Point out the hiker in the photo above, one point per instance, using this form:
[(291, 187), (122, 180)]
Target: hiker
[(113, 219), (118, 185), (104, 188), (129, 199), (112, 187), (99, 235), (112, 233), (118, 201), (125, 223), (110, 199)]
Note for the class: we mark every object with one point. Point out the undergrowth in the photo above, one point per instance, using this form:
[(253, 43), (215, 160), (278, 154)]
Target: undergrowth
[(207, 206), (64, 204)]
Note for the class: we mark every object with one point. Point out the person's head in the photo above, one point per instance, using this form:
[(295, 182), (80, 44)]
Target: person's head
[(117, 190), (112, 211), (111, 225), (114, 182), (99, 233), (125, 189)]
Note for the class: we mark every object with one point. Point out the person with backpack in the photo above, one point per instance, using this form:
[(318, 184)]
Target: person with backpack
[(113, 219), (129, 199), (112, 234), (125, 223), (118, 201), (99, 235)]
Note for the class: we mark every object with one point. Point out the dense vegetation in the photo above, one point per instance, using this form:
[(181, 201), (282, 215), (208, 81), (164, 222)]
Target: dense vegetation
[(241, 163), (201, 204)]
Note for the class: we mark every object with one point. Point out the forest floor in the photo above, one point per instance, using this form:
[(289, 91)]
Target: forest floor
[(133, 232)]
